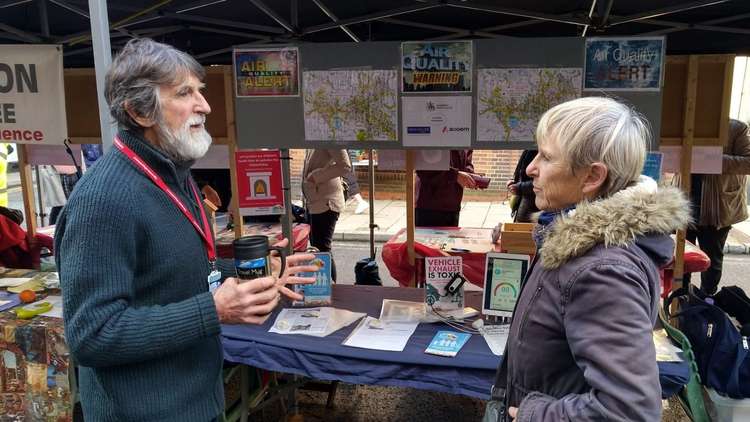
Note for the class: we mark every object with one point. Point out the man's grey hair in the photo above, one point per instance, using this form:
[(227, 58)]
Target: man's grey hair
[(599, 129), (136, 74)]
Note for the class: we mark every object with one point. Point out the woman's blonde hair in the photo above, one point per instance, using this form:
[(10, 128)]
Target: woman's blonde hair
[(599, 129)]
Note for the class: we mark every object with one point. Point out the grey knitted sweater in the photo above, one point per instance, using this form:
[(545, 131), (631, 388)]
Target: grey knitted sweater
[(139, 320)]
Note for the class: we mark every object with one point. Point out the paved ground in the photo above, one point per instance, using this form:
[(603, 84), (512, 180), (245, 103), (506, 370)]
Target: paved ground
[(358, 403)]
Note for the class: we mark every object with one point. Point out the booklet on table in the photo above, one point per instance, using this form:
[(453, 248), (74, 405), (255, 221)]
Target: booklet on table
[(447, 343)]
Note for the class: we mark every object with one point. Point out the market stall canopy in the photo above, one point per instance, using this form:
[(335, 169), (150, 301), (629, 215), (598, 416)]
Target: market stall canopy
[(209, 28)]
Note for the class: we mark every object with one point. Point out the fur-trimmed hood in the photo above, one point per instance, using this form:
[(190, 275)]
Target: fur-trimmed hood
[(619, 220)]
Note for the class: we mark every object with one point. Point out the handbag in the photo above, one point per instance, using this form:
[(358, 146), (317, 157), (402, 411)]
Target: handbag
[(722, 354)]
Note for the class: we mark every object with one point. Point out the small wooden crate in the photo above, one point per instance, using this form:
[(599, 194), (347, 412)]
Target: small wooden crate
[(516, 238)]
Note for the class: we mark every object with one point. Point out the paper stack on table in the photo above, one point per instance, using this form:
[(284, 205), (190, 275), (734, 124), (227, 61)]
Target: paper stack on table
[(316, 322)]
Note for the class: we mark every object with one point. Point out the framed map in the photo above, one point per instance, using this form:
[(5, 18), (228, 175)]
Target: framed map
[(511, 101), (351, 105)]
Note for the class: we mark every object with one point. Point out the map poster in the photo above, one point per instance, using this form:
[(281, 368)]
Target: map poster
[(438, 66), (624, 64), (259, 182), (266, 72), (351, 105), (511, 101), (438, 273), (436, 121)]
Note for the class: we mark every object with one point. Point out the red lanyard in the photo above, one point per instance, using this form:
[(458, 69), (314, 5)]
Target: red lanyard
[(158, 181)]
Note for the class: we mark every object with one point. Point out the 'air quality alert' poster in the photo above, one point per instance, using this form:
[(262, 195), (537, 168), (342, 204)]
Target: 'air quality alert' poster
[(267, 72), (624, 64)]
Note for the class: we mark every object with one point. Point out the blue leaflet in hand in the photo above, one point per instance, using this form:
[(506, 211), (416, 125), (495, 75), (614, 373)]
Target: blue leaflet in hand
[(447, 343), (318, 293)]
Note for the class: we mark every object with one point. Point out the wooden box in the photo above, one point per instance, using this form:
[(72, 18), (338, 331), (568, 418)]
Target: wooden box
[(516, 238)]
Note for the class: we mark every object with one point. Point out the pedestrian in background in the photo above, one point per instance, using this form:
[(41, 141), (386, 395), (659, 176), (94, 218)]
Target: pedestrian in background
[(718, 201), (440, 192), (324, 195)]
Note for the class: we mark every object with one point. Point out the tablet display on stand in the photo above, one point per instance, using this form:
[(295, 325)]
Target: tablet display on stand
[(504, 273)]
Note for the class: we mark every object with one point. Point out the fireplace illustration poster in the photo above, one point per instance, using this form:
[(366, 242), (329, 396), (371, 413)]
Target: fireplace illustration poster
[(259, 182)]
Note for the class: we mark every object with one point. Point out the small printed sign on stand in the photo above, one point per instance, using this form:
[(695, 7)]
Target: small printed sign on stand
[(259, 182), (439, 271)]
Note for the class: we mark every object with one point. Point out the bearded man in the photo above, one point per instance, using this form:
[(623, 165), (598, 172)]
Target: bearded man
[(142, 302)]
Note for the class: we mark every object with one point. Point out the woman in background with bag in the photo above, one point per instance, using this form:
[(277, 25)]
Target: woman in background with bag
[(580, 346)]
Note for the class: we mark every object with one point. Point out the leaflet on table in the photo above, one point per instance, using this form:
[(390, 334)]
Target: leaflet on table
[(496, 337), (402, 311), (57, 306), (302, 321), (316, 322), (374, 334), (447, 343), (438, 273), (8, 300), (13, 281)]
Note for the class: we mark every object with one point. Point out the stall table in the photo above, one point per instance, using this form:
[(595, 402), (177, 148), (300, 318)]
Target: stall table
[(472, 244), (34, 368), (469, 373)]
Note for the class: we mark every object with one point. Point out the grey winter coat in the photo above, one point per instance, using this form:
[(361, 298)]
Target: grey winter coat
[(580, 346)]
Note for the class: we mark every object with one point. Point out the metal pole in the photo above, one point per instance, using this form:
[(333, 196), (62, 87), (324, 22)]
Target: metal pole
[(42, 214), (43, 18), (373, 226), (102, 61), (286, 219)]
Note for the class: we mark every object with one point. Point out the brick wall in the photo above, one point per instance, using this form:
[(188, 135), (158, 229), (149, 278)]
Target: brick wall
[(497, 164)]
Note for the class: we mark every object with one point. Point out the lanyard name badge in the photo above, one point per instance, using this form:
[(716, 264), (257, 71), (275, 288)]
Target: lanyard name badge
[(214, 276)]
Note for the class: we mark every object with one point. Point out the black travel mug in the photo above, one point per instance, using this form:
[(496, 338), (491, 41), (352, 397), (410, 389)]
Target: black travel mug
[(252, 257)]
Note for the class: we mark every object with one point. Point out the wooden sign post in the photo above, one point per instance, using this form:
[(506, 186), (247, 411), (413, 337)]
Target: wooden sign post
[(695, 112)]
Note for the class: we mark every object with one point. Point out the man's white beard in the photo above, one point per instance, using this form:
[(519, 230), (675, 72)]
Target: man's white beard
[(185, 144)]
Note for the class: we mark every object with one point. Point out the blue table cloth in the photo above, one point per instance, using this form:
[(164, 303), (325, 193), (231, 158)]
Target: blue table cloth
[(470, 373)]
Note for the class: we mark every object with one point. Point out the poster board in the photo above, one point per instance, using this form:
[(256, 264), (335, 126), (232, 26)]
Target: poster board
[(280, 122), (82, 107)]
